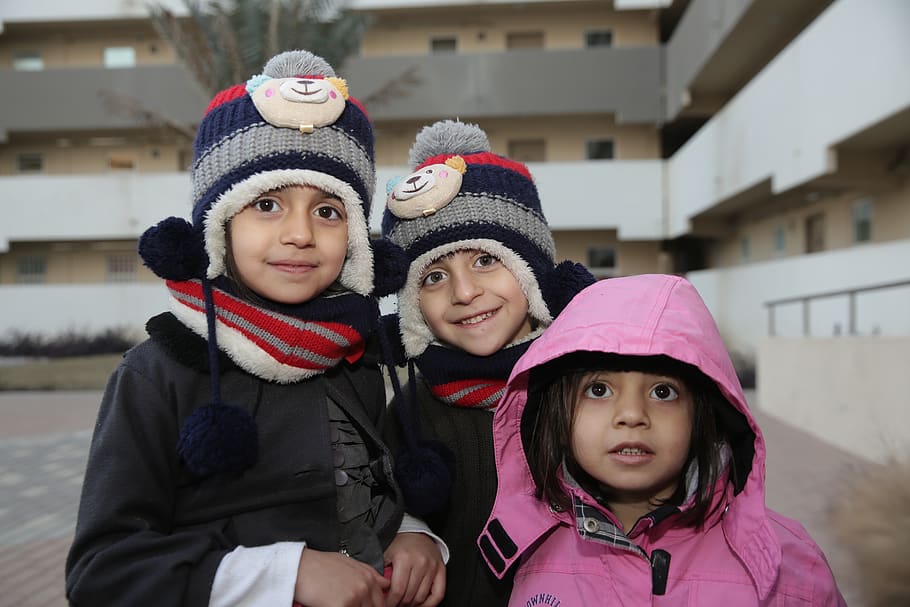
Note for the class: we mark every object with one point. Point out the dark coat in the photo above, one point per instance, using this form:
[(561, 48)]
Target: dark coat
[(468, 434), (149, 533)]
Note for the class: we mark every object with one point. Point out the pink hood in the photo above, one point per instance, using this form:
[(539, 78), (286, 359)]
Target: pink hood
[(640, 315)]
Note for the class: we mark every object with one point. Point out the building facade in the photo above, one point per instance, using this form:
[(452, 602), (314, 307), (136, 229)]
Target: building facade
[(759, 147)]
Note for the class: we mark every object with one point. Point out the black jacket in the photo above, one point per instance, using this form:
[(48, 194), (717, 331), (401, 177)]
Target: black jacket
[(468, 434), (148, 533)]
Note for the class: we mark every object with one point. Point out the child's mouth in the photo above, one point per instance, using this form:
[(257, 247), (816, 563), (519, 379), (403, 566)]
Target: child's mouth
[(476, 319)]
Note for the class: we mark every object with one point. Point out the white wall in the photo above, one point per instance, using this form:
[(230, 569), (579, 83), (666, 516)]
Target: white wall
[(853, 392), (89, 207), (736, 295), (625, 195), (836, 79), (50, 310)]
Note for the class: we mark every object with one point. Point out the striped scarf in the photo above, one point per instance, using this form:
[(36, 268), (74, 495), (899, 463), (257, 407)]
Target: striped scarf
[(285, 344), (464, 380)]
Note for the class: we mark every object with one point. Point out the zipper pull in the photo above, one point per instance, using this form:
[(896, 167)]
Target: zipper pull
[(660, 569)]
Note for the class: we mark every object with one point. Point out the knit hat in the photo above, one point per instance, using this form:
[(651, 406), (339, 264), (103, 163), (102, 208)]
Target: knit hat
[(294, 124), (462, 196)]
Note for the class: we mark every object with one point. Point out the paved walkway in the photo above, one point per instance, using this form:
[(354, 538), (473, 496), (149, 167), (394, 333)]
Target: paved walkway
[(44, 439)]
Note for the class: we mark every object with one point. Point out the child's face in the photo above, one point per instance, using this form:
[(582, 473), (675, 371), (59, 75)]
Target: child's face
[(289, 245), (472, 302), (631, 432)]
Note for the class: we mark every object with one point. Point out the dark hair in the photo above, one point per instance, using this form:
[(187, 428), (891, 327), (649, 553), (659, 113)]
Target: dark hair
[(547, 427)]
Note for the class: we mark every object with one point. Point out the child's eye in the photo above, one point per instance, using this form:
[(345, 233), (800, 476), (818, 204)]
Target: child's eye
[(664, 392), (328, 212), (266, 205), (432, 278), (485, 260), (598, 389)]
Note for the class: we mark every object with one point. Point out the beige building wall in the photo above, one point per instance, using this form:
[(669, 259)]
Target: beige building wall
[(890, 221), (81, 45), (77, 262), (484, 29), (564, 137), (631, 257), (81, 153)]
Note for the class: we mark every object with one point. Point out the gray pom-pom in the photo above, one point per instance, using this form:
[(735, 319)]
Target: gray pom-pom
[(448, 137), (297, 63)]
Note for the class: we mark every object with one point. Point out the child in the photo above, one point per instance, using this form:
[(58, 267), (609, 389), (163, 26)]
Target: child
[(478, 284), (260, 498), (631, 471)]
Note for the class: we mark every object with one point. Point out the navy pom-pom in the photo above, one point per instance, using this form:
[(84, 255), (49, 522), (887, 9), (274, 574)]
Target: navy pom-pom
[(174, 250), (563, 283), (425, 476), (390, 267), (218, 439)]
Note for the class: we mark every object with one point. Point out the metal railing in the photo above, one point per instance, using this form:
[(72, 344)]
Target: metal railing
[(807, 299)]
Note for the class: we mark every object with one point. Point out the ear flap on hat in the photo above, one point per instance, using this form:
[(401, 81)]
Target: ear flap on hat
[(390, 267), (173, 250), (562, 283)]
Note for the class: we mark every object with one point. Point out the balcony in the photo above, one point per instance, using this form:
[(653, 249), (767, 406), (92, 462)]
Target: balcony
[(99, 99), (624, 81)]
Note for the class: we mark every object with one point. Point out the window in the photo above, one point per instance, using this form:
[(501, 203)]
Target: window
[(443, 44), (602, 261), (815, 233), (599, 149), (528, 150), (780, 243), (744, 251), (31, 269), (862, 220), (119, 56), (121, 162), (519, 40), (28, 61), (599, 38), (121, 268), (30, 162)]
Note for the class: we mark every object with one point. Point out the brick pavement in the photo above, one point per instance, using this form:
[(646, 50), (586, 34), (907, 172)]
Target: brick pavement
[(44, 440)]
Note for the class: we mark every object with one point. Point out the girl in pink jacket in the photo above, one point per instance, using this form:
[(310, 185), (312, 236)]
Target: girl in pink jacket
[(631, 471)]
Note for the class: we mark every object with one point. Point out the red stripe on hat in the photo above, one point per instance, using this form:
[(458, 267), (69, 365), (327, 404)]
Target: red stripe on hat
[(480, 158), (228, 94)]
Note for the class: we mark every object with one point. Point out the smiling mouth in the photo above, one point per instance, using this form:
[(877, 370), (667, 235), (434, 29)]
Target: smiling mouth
[(422, 186), (306, 92), (631, 451), (476, 319)]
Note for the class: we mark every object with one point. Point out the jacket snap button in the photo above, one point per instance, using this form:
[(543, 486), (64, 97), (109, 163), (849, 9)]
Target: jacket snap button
[(591, 525), (341, 478), (554, 507)]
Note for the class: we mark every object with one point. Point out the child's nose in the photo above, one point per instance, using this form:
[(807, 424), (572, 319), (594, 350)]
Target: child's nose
[(630, 411), (465, 287), (297, 230)]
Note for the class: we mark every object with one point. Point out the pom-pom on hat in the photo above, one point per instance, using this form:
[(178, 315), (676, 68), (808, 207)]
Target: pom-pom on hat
[(463, 196), (294, 124)]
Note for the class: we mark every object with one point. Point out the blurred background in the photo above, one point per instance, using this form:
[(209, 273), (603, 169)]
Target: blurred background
[(759, 147)]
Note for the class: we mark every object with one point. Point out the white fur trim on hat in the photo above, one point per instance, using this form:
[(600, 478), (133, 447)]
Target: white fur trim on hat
[(357, 272), (416, 334)]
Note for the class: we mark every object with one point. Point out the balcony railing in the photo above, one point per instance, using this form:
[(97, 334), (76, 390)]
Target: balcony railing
[(806, 300)]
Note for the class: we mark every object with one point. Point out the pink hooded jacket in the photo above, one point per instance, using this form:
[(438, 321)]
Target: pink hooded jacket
[(745, 555)]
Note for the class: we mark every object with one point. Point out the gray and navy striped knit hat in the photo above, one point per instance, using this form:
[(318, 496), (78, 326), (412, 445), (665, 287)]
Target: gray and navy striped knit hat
[(462, 196), (294, 124)]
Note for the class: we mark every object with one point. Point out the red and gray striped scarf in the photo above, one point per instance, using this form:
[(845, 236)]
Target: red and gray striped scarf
[(464, 380), (285, 344)]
